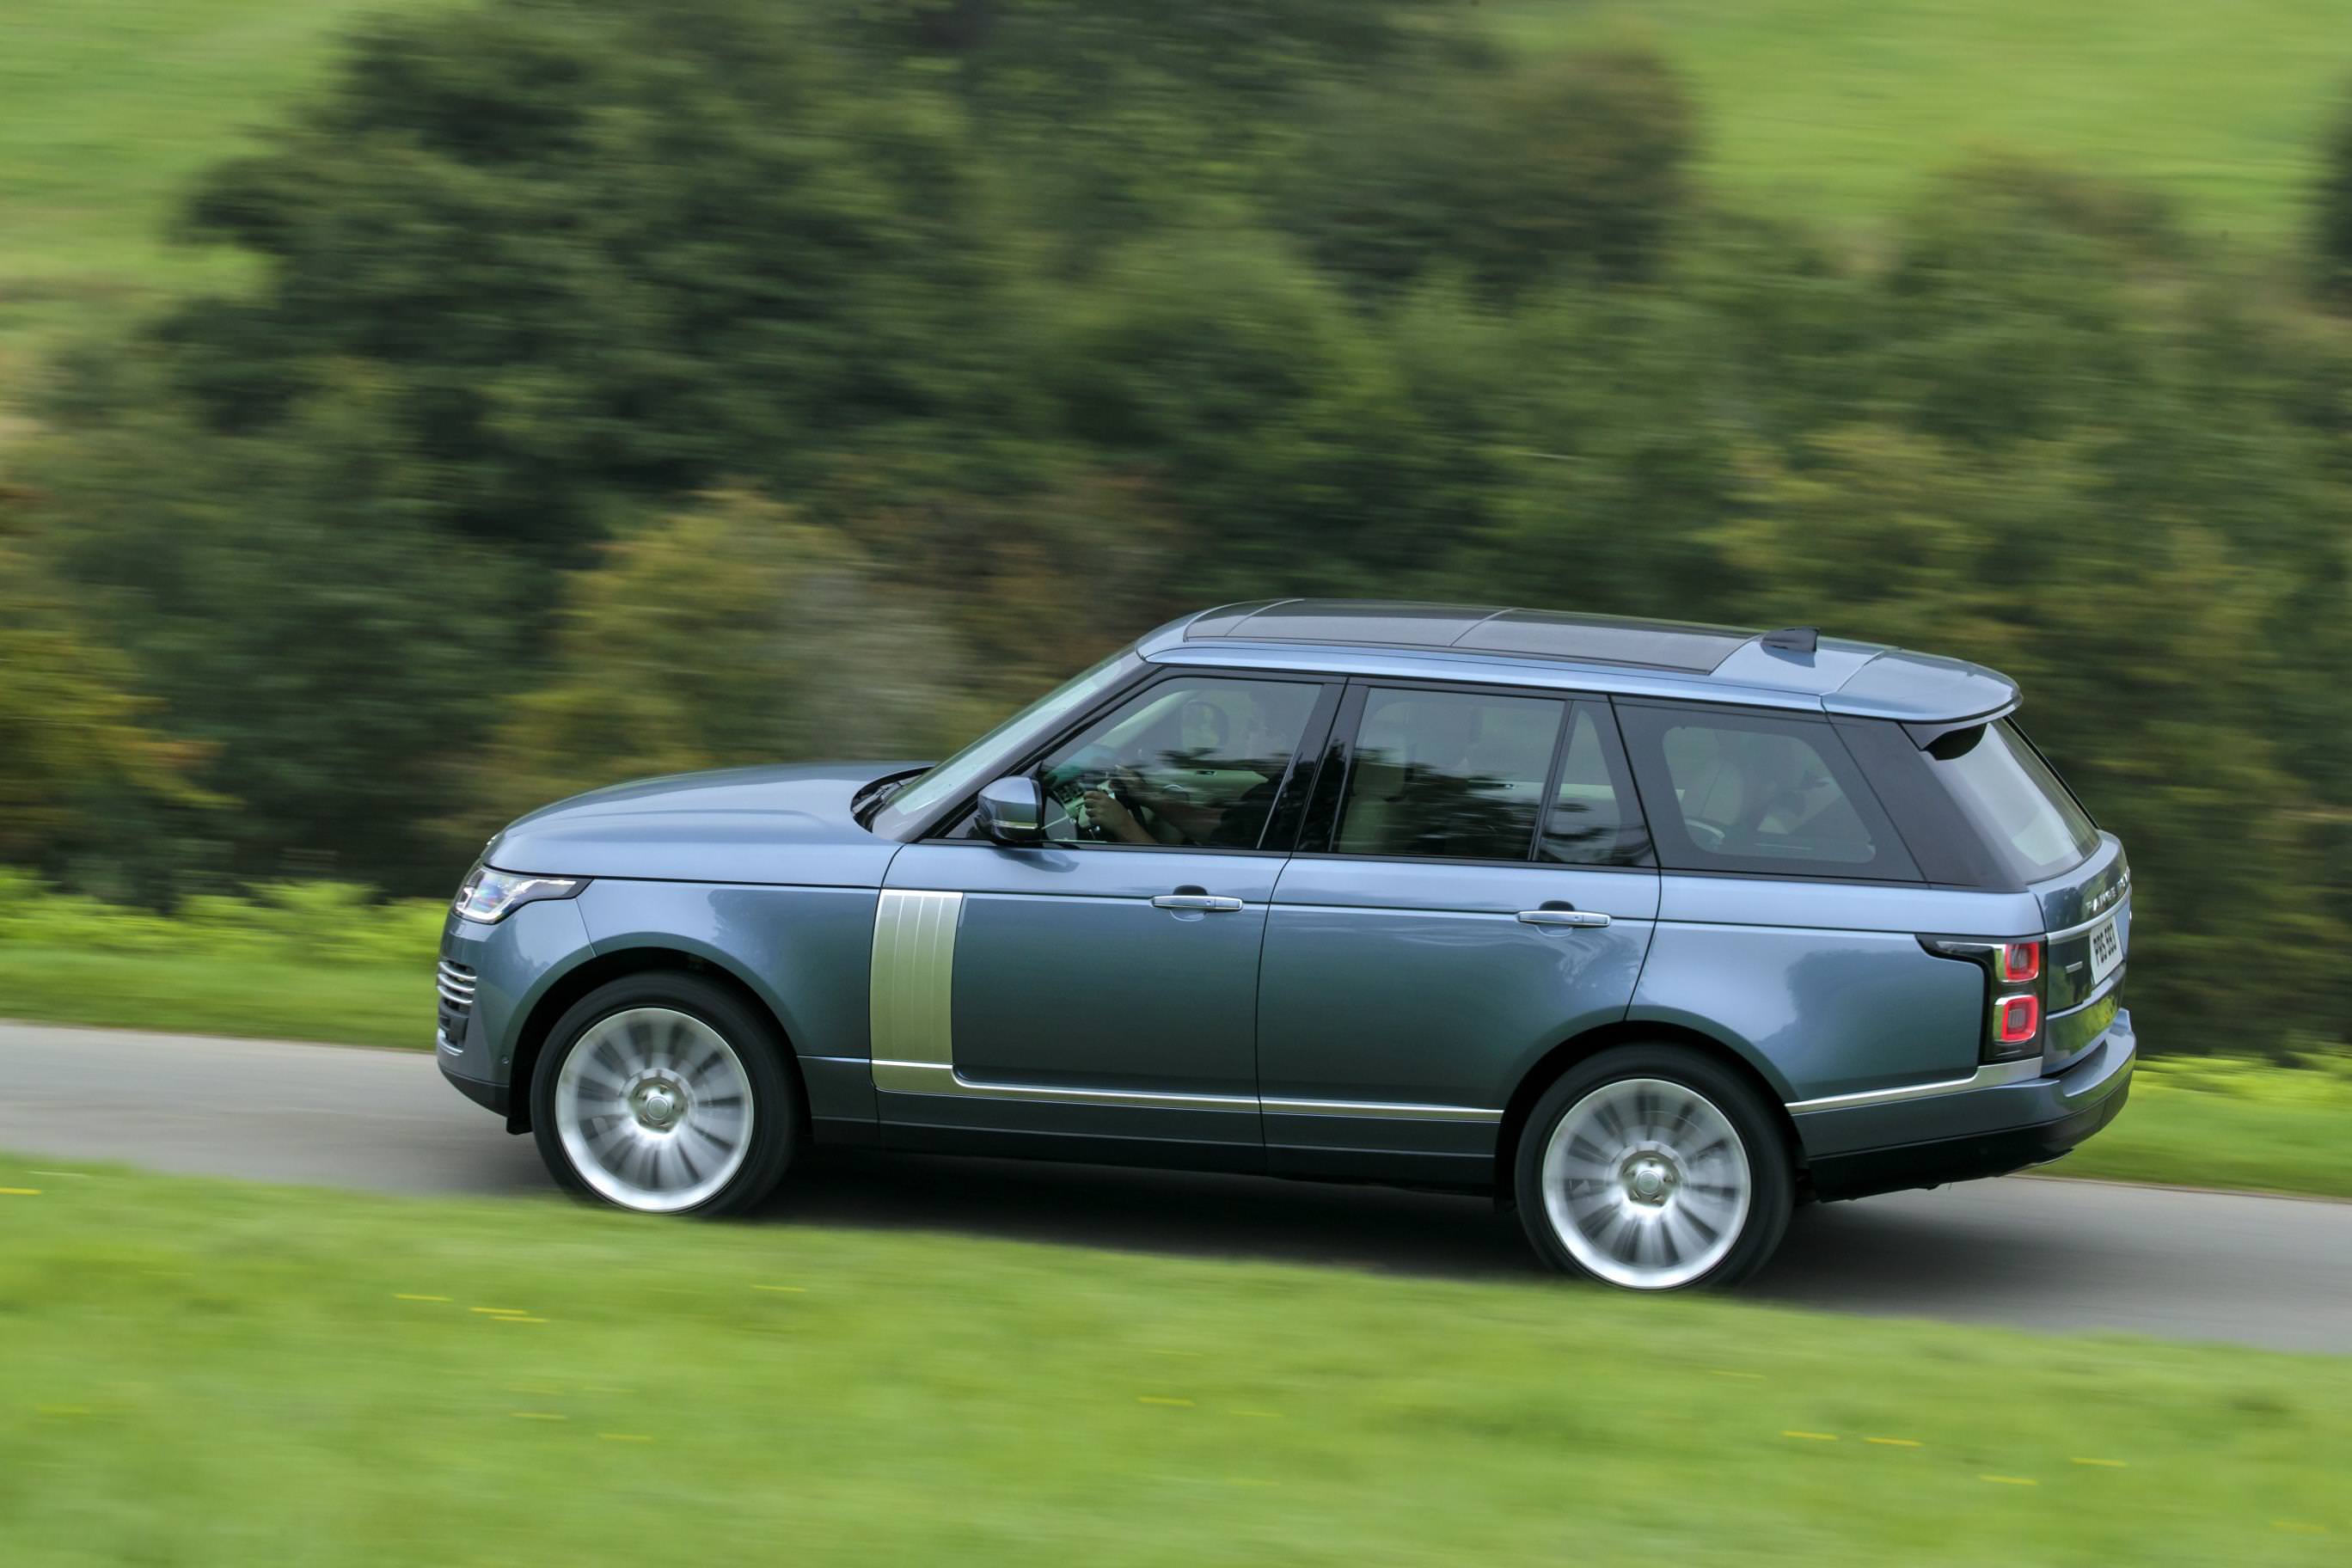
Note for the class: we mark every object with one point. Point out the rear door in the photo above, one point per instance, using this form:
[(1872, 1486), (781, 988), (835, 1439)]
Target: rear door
[(1472, 886)]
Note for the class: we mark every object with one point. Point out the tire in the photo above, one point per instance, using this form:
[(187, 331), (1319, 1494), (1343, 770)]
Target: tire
[(634, 1101), (1653, 1167)]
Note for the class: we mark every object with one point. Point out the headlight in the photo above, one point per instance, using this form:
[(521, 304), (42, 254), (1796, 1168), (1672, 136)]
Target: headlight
[(489, 895)]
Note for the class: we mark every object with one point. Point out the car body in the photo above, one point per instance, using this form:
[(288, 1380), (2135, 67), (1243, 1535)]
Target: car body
[(1653, 929)]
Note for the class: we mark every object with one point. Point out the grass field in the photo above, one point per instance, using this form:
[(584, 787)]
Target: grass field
[(1837, 110), (107, 109), (215, 1374)]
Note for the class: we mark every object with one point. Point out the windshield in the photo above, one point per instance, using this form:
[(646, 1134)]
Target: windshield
[(2016, 802), (978, 762)]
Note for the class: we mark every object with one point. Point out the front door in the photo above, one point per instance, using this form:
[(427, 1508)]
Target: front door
[(1475, 887), (1102, 987)]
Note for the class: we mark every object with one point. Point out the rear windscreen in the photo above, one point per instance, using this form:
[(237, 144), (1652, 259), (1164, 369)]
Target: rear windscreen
[(2025, 817)]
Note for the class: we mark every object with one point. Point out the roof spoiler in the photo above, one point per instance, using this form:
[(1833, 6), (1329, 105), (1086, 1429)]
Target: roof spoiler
[(1926, 735)]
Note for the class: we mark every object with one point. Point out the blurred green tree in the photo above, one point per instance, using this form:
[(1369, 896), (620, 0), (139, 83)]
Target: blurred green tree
[(721, 634), (1512, 176), (84, 763)]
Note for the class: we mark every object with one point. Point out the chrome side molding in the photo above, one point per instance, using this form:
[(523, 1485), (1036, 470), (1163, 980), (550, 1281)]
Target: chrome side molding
[(1992, 1075)]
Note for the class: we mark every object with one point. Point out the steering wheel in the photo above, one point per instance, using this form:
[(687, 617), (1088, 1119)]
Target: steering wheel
[(1092, 768), (1706, 834)]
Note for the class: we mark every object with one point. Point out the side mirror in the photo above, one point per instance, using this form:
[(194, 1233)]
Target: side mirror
[(1013, 811)]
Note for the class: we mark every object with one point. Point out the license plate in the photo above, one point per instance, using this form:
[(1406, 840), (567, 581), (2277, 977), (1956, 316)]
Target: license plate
[(2107, 949)]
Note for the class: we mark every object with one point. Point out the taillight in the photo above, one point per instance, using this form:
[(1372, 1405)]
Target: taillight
[(2014, 991)]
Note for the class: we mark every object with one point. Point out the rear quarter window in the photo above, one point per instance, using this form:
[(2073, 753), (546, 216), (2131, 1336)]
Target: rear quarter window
[(2028, 820)]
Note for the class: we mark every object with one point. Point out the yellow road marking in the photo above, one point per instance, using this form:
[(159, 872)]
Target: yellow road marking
[(2103, 1464), (1156, 1399), (404, 1296), (537, 1416), (2297, 1526), (1893, 1442), (20, 1192), (1813, 1437), (516, 1318), (2010, 1480), (786, 1290), (501, 1311)]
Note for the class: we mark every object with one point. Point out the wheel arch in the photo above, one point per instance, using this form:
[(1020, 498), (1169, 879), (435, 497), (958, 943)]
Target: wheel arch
[(1577, 1048), (604, 968)]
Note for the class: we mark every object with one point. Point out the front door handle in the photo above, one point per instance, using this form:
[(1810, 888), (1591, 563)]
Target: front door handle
[(1196, 901), (1586, 918)]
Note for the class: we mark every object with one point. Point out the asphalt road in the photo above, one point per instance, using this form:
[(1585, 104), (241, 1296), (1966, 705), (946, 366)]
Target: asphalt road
[(2041, 1255)]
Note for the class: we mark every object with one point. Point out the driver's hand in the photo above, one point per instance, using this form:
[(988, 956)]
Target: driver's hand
[(1104, 811)]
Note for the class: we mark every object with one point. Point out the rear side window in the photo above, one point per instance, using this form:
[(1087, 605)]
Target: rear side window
[(2032, 825), (1593, 820), (1728, 791), (1455, 774)]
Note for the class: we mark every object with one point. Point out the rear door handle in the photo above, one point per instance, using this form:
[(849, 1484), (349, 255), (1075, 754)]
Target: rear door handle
[(1586, 918), (1196, 901)]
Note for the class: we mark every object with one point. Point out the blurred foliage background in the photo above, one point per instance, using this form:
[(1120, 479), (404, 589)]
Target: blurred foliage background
[(559, 391)]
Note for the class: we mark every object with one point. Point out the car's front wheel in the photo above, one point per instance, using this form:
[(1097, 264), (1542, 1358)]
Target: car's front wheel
[(665, 1094), (1653, 1168)]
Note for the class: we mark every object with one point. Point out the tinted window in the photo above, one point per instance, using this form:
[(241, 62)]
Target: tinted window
[(1736, 791), (1447, 774), (1189, 762), (2012, 799), (1593, 820)]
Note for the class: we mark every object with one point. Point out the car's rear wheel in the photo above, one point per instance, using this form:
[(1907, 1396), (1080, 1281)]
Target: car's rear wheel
[(1653, 1168), (665, 1094)]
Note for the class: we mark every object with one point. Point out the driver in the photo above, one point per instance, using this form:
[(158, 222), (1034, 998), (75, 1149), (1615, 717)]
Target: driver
[(1234, 823)]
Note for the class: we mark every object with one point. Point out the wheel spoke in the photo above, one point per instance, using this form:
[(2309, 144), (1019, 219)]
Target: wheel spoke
[(1646, 1182), (654, 1109)]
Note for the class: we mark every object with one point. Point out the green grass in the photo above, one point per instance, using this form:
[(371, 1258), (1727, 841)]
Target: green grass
[(1838, 109), (211, 1373), (2259, 1129), (108, 110), (344, 1005)]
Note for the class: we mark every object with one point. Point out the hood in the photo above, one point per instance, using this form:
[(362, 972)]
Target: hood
[(780, 825)]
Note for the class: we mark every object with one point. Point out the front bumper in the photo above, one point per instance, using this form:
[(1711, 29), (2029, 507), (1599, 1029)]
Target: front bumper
[(504, 969), (1853, 1153)]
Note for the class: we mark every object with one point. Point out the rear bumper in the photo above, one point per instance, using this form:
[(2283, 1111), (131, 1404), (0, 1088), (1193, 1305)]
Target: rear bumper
[(1853, 1153)]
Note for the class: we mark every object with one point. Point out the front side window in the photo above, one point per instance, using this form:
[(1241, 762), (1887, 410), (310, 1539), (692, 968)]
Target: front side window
[(1453, 774), (1757, 792), (1194, 763)]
